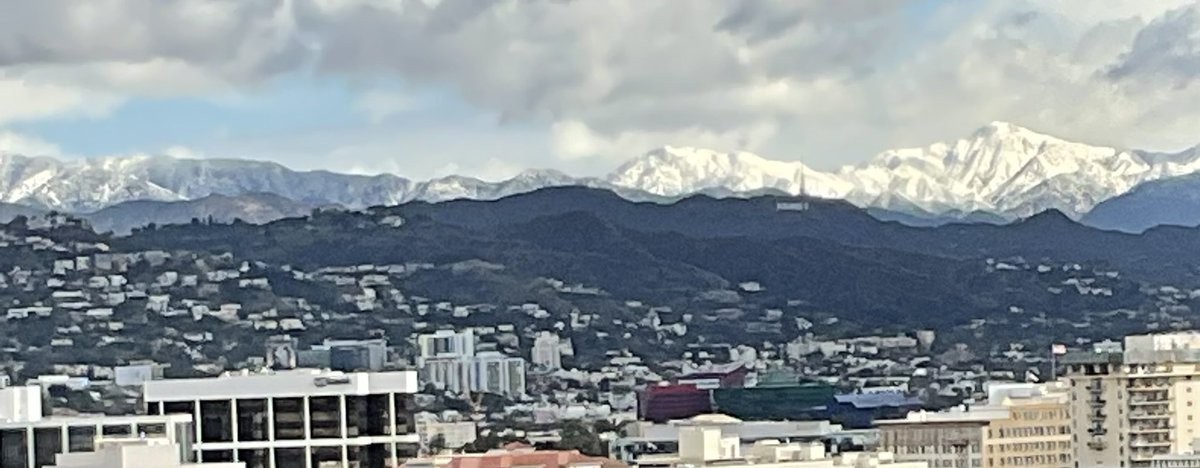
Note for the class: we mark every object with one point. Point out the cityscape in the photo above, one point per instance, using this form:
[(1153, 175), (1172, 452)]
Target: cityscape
[(599, 234)]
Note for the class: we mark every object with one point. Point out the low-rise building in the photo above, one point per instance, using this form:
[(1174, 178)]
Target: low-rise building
[(1022, 425), (646, 437), (36, 442), (133, 453), (515, 455), (706, 442)]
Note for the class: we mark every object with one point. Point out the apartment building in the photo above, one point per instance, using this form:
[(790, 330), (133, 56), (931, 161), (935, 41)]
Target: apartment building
[(1132, 407), (295, 418), (1025, 425), (546, 353), (450, 361)]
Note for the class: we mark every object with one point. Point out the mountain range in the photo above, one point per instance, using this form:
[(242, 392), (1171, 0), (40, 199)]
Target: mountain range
[(998, 173)]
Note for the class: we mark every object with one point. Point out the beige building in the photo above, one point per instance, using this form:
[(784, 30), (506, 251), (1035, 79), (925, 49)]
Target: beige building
[(704, 441), (133, 453), (1025, 425), (1037, 432), (1132, 407)]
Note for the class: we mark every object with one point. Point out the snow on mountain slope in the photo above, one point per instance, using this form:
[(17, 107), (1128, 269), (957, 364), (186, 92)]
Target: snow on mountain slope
[(671, 171), (91, 185), (1001, 168)]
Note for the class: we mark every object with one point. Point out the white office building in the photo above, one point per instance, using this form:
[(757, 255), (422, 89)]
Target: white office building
[(296, 418), (30, 440), (35, 443), (546, 352), (22, 403)]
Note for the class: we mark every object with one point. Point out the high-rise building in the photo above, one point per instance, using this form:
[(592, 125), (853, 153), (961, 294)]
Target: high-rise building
[(347, 355), (1024, 425), (446, 344), (449, 361), (297, 418), (546, 353), (1138, 404)]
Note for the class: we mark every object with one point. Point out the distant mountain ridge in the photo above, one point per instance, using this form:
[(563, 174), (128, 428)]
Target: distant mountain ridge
[(1173, 201), (1002, 170)]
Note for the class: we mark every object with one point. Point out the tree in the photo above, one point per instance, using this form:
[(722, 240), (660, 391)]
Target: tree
[(577, 435), (436, 444)]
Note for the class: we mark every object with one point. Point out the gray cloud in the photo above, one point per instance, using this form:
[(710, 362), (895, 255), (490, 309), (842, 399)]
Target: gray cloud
[(831, 81), (1165, 52)]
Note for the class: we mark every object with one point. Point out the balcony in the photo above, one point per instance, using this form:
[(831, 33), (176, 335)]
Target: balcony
[(1150, 401), (1151, 444), (1149, 415), (1151, 385), (1098, 444)]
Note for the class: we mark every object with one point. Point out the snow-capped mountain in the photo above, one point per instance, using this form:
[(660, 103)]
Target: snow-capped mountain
[(671, 171), (86, 186), (1001, 168)]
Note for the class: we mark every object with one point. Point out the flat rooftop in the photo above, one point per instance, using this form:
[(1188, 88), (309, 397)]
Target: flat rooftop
[(980, 415), (97, 420), (290, 383)]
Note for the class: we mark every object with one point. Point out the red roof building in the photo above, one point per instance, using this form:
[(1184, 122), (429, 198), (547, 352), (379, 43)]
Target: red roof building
[(516, 455)]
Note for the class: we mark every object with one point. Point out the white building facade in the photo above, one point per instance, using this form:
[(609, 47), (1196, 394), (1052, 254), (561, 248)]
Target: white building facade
[(133, 453), (296, 418), (37, 442), (449, 361), (546, 352)]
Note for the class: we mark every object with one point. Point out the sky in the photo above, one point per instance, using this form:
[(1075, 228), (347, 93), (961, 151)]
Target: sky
[(427, 88)]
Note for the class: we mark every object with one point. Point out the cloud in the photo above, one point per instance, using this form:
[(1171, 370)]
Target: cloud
[(15, 143), (25, 100), (1165, 53), (827, 82), (379, 105), (573, 140)]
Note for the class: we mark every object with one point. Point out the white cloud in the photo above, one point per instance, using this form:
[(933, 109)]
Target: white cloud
[(380, 105), (827, 82), (573, 140), (183, 152), (16, 143), (28, 100)]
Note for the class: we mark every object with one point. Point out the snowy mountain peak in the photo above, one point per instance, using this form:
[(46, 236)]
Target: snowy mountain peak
[(673, 171), (1001, 167)]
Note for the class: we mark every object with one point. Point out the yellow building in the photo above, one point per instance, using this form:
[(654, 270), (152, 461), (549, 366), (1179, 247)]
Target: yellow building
[(1037, 432), (1025, 425)]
